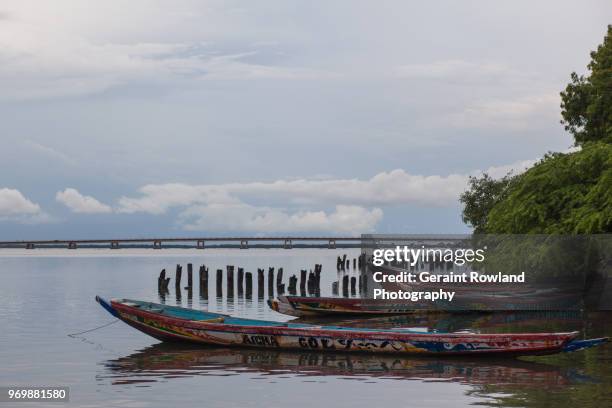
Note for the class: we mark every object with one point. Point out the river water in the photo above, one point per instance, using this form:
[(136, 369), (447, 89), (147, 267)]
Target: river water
[(48, 294)]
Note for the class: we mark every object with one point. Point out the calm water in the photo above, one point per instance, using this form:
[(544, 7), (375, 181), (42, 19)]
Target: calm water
[(49, 294)]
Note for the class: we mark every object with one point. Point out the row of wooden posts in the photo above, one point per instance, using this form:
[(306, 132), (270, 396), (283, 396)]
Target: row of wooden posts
[(310, 282), (356, 283), (307, 284), (343, 263)]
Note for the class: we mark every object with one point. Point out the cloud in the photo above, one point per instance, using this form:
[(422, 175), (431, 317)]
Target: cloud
[(347, 206), (79, 203), (351, 220), (395, 187), (228, 207), (514, 168), (14, 206), (49, 53), (13, 203), (48, 152), (516, 114), (158, 198)]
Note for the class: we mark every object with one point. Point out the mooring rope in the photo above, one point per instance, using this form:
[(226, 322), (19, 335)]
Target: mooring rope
[(95, 328)]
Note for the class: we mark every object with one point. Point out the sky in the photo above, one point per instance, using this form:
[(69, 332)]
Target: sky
[(175, 118)]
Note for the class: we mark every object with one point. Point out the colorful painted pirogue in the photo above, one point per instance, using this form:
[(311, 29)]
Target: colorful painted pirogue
[(300, 306), (172, 323), (312, 306)]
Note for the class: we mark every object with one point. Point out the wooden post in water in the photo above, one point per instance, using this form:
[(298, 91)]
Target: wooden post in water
[(189, 276), (204, 282), (345, 286), (240, 282), (189, 282), (353, 282), (219, 282), (292, 285), (279, 282), (311, 283), (338, 263), (230, 281), (177, 279), (177, 283), (303, 282), (271, 282), (248, 277), (160, 280), (260, 283)]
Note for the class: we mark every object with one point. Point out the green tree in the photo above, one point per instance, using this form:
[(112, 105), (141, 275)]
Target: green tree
[(564, 193), (483, 193), (586, 102), (567, 193)]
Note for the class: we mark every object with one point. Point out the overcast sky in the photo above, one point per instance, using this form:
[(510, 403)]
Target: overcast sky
[(219, 117)]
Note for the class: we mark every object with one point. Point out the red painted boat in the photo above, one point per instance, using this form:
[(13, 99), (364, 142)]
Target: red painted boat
[(301, 306), (171, 323)]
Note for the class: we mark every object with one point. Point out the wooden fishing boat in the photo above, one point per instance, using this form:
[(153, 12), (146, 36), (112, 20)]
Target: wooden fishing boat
[(171, 323), (301, 306)]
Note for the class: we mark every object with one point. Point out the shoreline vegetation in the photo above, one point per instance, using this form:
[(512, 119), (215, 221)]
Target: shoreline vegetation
[(563, 193)]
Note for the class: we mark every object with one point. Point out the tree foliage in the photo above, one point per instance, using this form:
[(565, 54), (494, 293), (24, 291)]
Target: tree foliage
[(564, 193), (483, 193), (586, 102)]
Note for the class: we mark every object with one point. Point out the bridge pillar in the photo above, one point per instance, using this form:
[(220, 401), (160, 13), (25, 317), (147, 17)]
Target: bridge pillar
[(72, 245), (332, 244), (114, 244), (157, 244), (29, 245), (200, 244), (288, 244), (244, 244)]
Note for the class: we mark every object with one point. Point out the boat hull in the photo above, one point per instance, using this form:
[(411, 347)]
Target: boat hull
[(274, 335), (321, 306)]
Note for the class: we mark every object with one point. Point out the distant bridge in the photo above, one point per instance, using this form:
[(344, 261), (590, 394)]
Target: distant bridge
[(199, 243)]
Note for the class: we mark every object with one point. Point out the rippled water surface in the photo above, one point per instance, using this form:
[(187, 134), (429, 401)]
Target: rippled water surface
[(45, 295)]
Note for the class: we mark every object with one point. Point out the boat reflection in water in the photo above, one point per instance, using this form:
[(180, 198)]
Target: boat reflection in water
[(164, 361)]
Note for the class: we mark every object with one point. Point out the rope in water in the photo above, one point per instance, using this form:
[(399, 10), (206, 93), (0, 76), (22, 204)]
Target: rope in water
[(95, 328)]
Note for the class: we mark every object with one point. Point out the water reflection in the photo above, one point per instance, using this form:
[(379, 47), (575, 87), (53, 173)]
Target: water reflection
[(162, 362)]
